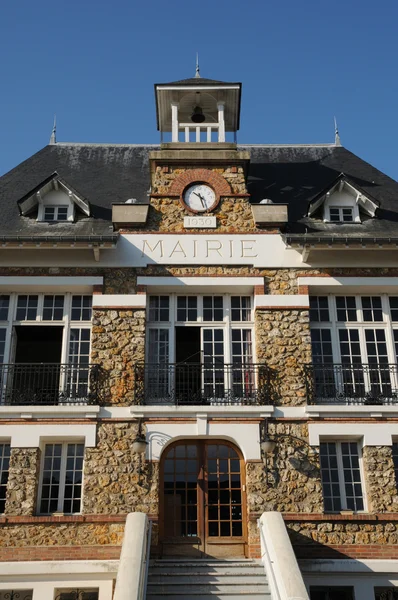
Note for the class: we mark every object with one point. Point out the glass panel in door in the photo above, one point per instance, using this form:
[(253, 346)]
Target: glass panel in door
[(213, 364)]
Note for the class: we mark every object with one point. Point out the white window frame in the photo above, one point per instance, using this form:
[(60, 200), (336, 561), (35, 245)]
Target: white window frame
[(341, 482), (61, 495), (387, 325), (54, 199), (226, 323), (341, 215), (4, 442)]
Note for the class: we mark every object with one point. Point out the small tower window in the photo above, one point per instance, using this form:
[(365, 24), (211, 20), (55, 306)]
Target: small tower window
[(341, 214), (55, 213)]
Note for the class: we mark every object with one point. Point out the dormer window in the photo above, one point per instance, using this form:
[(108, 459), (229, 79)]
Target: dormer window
[(55, 213), (342, 202), (53, 201), (341, 214)]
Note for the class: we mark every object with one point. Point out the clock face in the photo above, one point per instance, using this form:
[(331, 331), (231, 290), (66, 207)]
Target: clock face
[(199, 197)]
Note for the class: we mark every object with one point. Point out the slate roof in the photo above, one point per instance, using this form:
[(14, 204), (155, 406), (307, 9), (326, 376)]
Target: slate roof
[(104, 174)]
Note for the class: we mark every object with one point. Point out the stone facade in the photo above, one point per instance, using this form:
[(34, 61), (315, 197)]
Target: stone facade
[(23, 481), (381, 484), (117, 481), (164, 177), (118, 343), (283, 343)]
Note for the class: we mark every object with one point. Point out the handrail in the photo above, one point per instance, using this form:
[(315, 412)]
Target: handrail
[(132, 575), (280, 563), (268, 565)]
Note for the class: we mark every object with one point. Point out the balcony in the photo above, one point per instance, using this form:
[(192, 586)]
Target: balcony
[(49, 384), (352, 383), (211, 384)]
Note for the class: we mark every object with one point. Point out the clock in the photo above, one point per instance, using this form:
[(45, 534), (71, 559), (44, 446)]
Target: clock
[(200, 197)]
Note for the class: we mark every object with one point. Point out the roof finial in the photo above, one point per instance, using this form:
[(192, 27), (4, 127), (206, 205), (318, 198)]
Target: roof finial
[(53, 138), (197, 72), (337, 140)]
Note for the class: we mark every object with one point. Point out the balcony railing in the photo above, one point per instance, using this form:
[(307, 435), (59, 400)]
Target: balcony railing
[(201, 384), (352, 383), (49, 384)]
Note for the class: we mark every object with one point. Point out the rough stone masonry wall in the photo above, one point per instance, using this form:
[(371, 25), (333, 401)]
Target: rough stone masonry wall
[(233, 214), (22, 481), (381, 484), (113, 483), (118, 343), (283, 343)]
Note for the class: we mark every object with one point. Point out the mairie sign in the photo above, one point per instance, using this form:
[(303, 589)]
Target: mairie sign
[(187, 249)]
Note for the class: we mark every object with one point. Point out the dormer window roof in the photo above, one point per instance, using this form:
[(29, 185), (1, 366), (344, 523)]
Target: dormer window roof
[(343, 202), (54, 200)]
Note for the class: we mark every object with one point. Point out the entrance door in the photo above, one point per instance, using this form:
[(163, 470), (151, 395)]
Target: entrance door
[(202, 500)]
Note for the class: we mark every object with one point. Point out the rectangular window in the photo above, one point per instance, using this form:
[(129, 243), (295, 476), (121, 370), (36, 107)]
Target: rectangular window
[(81, 308), (386, 593), (346, 308), (321, 341), (187, 308), (241, 308), (4, 306), (3, 333), (341, 477), (213, 308), (334, 592), (62, 476), (55, 213), (27, 308), (53, 308), (73, 594), (339, 214), (394, 307), (319, 309), (242, 351), (371, 308), (158, 346), (159, 308), (4, 470)]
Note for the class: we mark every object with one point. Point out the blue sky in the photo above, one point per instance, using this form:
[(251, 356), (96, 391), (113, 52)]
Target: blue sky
[(94, 63)]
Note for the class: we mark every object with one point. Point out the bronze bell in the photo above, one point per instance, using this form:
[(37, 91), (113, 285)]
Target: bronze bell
[(197, 115)]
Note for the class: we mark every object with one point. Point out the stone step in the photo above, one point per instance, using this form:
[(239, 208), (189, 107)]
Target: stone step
[(207, 588), (207, 578), (197, 570), (236, 595)]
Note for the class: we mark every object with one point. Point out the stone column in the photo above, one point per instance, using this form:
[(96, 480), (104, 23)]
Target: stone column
[(118, 343), (380, 479), (284, 344), (23, 481)]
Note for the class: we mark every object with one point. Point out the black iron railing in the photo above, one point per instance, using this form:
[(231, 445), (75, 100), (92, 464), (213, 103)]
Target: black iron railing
[(201, 384), (48, 383), (352, 383)]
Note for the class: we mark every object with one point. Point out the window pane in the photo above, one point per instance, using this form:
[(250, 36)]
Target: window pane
[(51, 478), (319, 309), (81, 308), (240, 308), (159, 308), (53, 308), (4, 471), (49, 213), (346, 308), (187, 308), (77, 594), (27, 308), (394, 308), (3, 333), (329, 474), (73, 478), (62, 213), (371, 308), (4, 305), (213, 308), (351, 474)]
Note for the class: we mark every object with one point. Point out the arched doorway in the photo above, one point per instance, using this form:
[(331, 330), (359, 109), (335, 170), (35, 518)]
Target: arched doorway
[(202, 500)]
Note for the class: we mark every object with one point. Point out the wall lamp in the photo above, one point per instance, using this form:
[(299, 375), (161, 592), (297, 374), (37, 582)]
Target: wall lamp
[(139, 443)]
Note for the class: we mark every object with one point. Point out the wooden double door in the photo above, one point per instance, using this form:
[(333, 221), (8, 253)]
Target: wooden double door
[(203, 500)]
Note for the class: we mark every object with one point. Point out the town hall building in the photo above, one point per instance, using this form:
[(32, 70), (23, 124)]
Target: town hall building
[(198, 366)]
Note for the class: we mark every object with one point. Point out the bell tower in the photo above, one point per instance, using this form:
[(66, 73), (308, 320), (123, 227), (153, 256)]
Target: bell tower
[(198, 111)]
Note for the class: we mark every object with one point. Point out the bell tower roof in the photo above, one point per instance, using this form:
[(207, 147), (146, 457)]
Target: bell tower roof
[(198, 96)]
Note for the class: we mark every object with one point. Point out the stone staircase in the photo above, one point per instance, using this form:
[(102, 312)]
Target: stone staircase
[(182, 579)]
